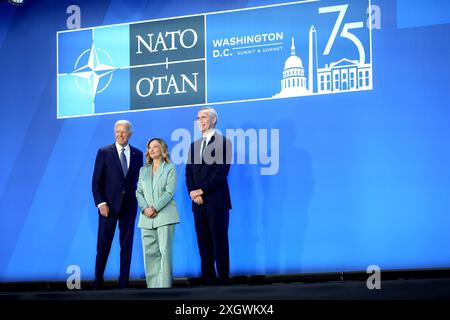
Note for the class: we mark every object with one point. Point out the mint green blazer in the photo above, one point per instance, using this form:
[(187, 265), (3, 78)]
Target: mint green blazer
[(157, 191)]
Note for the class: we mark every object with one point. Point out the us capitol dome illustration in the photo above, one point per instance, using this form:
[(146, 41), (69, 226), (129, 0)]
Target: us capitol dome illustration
[(294, 81)]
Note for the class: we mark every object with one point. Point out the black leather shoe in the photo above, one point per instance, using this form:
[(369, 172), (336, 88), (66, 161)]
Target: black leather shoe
[(123, 285), (97, 286)]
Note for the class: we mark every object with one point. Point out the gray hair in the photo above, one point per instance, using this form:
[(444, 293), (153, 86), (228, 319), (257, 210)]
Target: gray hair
[(124, 122), (212, 112)]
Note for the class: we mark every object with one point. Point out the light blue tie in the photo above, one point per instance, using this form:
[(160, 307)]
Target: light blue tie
[(123, 162)]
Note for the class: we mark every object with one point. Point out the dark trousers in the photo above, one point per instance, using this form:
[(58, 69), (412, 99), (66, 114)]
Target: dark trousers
[(106, 230), (211, 227)]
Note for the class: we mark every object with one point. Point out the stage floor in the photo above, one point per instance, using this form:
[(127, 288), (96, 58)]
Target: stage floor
[(411, 289)]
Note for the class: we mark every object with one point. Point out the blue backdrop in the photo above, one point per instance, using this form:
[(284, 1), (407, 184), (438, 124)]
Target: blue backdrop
[(363, 177)]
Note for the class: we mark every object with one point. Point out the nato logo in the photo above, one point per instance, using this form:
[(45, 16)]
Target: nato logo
[(121, 68), (93, 71)]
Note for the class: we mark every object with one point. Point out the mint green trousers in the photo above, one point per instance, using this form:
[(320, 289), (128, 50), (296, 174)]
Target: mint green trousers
[(157, 245)]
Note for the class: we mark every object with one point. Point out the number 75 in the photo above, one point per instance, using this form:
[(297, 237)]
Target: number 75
[(342, 9)]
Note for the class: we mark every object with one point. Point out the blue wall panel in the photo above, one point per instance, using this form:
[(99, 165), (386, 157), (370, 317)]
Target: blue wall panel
[(363, 176)]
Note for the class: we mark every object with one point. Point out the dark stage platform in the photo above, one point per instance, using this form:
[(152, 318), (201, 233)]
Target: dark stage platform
[(249, 298), (399, 289)]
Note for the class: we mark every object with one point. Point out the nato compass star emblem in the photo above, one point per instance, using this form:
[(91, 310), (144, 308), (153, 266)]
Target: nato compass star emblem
[(95, 76)]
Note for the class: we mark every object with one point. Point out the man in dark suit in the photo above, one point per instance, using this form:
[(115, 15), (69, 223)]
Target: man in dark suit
[(206, 179), (114, 184)]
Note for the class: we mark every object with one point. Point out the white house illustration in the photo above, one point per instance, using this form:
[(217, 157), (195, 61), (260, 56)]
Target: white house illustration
[(344, 75), (340, 76)]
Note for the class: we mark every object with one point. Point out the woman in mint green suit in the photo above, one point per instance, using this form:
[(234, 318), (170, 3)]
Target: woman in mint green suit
[(155, 191)]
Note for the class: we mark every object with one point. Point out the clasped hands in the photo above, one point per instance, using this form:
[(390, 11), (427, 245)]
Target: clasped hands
[(150, 212), (196, 196)]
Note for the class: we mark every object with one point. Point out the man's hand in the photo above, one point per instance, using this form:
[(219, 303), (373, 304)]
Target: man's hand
[(198, 200), (149, 212), (104, 210), (195, 193)]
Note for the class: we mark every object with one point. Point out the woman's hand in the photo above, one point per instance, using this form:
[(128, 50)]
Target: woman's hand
[(150, 212)]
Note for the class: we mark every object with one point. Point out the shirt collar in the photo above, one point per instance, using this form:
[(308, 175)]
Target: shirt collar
[(208, 134), (119, 147)]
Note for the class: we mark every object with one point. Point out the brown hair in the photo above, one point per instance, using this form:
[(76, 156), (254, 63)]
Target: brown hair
[(164, 151)]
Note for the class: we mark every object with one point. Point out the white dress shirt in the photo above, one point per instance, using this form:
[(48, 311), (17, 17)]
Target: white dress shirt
[(127, 152), (207, 135)]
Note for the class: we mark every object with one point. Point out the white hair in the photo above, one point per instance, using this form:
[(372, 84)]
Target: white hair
[(124, 122), (212, 112)]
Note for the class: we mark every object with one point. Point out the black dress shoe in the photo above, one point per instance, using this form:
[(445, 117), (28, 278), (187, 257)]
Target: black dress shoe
[(223, 281), (97, 286)]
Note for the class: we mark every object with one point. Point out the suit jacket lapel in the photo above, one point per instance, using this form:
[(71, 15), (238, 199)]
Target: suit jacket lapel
[(196, 158), (116, 156), (149, 177), (158, 173), (208, 149), (133, 158)]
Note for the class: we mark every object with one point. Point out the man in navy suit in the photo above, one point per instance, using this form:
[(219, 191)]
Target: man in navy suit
[(206, 179), (114, 184)]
